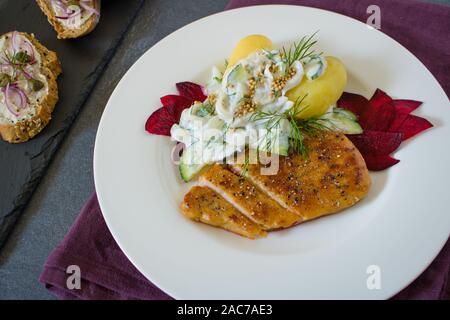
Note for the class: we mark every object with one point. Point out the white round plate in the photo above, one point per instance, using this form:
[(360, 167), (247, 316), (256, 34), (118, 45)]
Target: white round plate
[(397, 230)]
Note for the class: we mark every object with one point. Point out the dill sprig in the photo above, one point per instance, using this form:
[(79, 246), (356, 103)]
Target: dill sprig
[(297, 138), (300, 128), (271, 119), (17, 61), (300, 50), (246, 165), (297, 129)]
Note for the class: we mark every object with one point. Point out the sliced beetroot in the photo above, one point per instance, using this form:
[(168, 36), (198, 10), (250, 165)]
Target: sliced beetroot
[(400, 117), (161, 121), (377, 142), (378, 117), (414, 125), (179, 101), (379, 98), (191, 91), (379, 162), (353, 102), (402, 110), (386, 123), (406, 105)]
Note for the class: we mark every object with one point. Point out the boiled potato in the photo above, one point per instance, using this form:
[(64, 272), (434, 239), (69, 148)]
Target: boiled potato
[(321, 92), (247, 46)]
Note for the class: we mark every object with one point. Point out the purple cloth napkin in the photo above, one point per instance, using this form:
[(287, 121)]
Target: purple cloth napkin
[(105, 271)]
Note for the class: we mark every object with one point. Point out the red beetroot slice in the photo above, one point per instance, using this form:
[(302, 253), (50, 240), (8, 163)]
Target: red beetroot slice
[(191, 91), (379, 162), (400, 117), (379, 98), (353, 102), (162, 120), (377, 142), (414, 125), (179, 101), (402, 110), (378, 117), (406, 105)]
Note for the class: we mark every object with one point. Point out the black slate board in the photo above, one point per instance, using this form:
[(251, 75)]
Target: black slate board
[(83, 60)]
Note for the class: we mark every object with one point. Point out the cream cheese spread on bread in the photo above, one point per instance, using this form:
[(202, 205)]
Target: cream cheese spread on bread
[(22, 84), (72, 16), (28, 87)]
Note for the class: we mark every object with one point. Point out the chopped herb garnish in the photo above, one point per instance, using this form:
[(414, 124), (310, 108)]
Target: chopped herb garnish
[(21, 57), (36, 85), (270, 55), (299, 127), (206, 109), (300, 50), (4, 79), (231, 94), (246, 164)]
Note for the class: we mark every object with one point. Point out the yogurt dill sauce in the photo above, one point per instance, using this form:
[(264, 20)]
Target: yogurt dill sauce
[(241, 105)]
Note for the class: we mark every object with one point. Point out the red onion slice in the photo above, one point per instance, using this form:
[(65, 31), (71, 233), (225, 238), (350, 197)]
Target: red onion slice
[(10, 108), (8, 90), (18, 44), (22, 96), (73, 13), (30, 51), (14, 41), (3, 60), (26, 74), (5, 66), (64, 6), (60, 4), (84, 4)]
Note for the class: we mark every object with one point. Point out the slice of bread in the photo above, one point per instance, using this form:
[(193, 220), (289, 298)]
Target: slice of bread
[(25, 129), (65, 31)]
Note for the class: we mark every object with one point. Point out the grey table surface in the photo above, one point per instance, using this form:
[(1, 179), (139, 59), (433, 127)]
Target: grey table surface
[(69, 179)]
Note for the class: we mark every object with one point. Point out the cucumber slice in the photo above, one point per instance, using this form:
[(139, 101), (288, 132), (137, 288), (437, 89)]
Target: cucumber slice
[(237, 74), (314, 67), (342, 120), (188, 169), (282, 148), (345, 113), (283, 151)]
